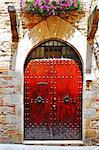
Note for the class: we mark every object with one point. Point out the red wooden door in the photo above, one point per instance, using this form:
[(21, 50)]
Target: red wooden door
[(53, 91)]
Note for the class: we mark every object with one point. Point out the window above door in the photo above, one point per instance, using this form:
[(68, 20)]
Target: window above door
[(54, 49)]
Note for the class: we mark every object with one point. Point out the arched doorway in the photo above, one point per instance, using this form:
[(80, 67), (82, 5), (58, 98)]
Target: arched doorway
[(53, 93)]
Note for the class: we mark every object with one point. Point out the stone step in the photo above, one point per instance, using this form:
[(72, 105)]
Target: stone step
[(31, 147)]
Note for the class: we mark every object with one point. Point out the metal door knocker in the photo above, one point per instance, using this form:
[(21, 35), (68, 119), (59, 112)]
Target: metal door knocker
[(39, 99), (66, 99)]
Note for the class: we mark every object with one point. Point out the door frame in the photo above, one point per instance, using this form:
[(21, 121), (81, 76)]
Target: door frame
[(58, 142)]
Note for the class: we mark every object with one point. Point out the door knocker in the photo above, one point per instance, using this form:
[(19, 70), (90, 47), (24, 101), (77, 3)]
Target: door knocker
[(39, 99), (66, 99)]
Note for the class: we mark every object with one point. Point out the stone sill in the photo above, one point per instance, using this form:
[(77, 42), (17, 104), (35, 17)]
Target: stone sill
[(54, 142), (31, 147)]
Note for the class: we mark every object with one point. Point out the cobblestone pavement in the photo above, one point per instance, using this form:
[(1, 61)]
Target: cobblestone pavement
[(30, 147)]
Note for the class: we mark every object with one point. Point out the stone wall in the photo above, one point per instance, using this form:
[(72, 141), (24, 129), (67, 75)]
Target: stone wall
[(10, 107), (11, 94), (91, 113)]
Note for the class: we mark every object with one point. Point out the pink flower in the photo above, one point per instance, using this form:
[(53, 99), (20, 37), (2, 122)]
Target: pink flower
[(48, 6)]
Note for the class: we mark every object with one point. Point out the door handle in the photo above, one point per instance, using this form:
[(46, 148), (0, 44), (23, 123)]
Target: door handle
[(42, 83)]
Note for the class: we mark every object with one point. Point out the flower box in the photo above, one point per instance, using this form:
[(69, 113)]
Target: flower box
[(49, 7)]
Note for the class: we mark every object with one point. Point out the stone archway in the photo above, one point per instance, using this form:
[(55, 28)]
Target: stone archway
[(52, 28)]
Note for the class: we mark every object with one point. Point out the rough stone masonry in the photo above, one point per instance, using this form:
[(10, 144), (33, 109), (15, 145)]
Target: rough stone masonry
[(11, 103)]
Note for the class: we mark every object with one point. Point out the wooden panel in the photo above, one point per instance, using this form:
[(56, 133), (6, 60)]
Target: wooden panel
[(53, 92), (68, 85)]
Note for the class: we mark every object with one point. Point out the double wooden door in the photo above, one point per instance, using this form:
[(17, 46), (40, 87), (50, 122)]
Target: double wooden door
[(53, 94)]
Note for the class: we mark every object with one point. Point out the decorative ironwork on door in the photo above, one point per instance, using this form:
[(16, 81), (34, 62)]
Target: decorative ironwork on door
[(53, 99)]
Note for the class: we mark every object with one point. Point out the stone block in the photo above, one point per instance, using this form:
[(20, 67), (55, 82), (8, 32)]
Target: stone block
[(95, 105), (16, 137), (30, 20), (19, 109), (8, 90), (5, 58), (6, 130), (19, 127), (1, 102), (53, 24), (90, 133), (64, 30), (5, 37), (86, 123), (36, 34), (87, 142), (89, 95), (16, 81), (12, 119), (1, 91), (3, 128), (45, 30), (18, 89), (3, 119), (86, 104), (7, 109), (11, 126), (7, 78), (11, 99), (3, 83), (11, 132), (97, 115), (94, 124), (89, 113)]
